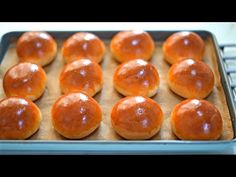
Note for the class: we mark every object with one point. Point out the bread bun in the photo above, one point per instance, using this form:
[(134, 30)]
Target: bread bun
[(191, 79), (81, 75), (182, 45), (76, 115), (26, 80), (20, 118), (83, 45), (36, 47), (136, 117), (130, 45), (136, 77), (195, 119)]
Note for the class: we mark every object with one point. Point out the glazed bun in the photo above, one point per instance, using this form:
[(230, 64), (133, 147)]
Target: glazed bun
[(36, 47), (182, 45), (26, 80), (136, 77), (81, 75), (191, 79), (76, 115), (19, 118), (195, 119), (130, 45), (83, 45), (136, 117)]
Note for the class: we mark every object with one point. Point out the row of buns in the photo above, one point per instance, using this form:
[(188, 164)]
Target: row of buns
[(187, 78), (76, 114), (41, 48)]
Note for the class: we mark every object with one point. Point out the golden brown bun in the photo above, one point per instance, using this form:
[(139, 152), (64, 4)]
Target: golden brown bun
[(36, 47), (191, 79), (136, 77), (81, 75), (76, 115), (136, 117), (26, 80), (195, 119), (183, 45), (83, 45), (129, 45), (19, 118)]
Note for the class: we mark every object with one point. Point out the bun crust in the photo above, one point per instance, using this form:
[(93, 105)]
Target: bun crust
[(182, 45), (81, 75), (195, 119), (191, 79), (26, 80), (136, 117), (136, 77), (83, 45), (36, 47), (76, 115), (130, 45), (20, 118)]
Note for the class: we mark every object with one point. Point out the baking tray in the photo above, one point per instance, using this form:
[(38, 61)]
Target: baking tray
[(113, 144)]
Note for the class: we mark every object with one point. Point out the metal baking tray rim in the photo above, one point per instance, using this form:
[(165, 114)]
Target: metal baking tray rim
[(113, 147)]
